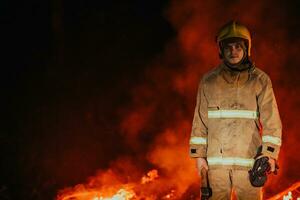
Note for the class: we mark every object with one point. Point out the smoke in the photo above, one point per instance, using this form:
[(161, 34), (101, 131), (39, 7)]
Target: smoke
[(196, 23), (272, 50), (156, 125)]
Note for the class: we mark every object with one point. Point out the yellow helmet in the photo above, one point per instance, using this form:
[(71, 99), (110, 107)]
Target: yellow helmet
[(234, 30)]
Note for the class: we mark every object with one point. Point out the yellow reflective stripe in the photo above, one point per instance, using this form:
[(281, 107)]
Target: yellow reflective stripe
[(232, 114), (198, 140), (271, 139), (230, 161)]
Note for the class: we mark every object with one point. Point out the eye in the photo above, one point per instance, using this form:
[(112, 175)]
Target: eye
[(238, 46), (227, 47)]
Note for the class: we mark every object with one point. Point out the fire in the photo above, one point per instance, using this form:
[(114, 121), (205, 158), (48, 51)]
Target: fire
[(134, 191), (170, 195), (117, 192), (151, 175), (156, 126), (121, 194), (287, 194)]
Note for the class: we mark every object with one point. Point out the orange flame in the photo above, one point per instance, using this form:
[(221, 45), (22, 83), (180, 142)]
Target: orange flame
[(134, 190), (151, 175), (287, 192), (124, 193)]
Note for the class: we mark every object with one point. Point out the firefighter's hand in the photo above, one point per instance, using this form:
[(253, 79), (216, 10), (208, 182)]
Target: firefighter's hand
[(201, 163), (272, 163)]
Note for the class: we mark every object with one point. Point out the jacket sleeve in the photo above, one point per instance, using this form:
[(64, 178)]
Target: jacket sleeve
[(269, 119), (198, 138)]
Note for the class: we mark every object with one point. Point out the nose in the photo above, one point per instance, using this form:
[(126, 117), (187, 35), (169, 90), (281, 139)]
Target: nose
[(234, 51), (233, 48)]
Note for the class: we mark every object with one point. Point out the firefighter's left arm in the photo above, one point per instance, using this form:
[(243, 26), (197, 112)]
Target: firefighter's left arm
[(270, 120), (198, 138)]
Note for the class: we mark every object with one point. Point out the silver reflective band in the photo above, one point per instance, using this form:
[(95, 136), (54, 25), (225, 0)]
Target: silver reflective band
[(230, 161), (198, 140), (271, 139), (248, 114)]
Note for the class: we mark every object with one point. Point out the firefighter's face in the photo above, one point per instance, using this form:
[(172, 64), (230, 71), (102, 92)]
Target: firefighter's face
[(233, 52)]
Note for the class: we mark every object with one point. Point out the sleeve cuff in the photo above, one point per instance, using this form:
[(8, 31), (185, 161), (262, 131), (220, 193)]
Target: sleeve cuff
[(196, 151), (270, 150)]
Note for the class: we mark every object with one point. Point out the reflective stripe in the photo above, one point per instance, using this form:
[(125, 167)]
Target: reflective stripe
[(233, 114), (198, 140), (230, 161), (271, 139)]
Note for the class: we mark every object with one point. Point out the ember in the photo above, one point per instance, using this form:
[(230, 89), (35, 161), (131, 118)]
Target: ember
[(151, 175)]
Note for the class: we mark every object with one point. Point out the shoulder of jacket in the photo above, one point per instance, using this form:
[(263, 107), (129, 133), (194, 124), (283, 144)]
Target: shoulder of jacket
[(261, 76), (211, 75)]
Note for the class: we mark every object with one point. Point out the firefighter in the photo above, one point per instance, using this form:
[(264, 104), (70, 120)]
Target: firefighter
[(236, 114)]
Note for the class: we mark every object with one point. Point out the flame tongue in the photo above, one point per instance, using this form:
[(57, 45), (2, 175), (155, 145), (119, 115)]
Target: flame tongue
[(151, 175), (122, 194)]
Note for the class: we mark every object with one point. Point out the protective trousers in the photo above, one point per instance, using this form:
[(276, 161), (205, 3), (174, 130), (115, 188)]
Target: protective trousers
[(226, 183)]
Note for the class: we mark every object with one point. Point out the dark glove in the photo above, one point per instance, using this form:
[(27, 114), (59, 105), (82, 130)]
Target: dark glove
[(206, 191), (258, 174)]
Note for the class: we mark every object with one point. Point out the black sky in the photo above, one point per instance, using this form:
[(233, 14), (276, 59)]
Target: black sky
[(67, 66)]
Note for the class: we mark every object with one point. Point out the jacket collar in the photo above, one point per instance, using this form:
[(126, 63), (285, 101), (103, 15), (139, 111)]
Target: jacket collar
[(237, 77)]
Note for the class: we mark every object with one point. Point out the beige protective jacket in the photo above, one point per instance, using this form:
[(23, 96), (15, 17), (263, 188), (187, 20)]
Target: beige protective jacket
[(236, 112)]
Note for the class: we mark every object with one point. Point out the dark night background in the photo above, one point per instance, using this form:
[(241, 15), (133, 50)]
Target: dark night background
[(67, 69), (68, 66)]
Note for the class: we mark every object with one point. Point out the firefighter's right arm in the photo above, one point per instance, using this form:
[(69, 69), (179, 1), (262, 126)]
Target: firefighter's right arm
[(198, 139)]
